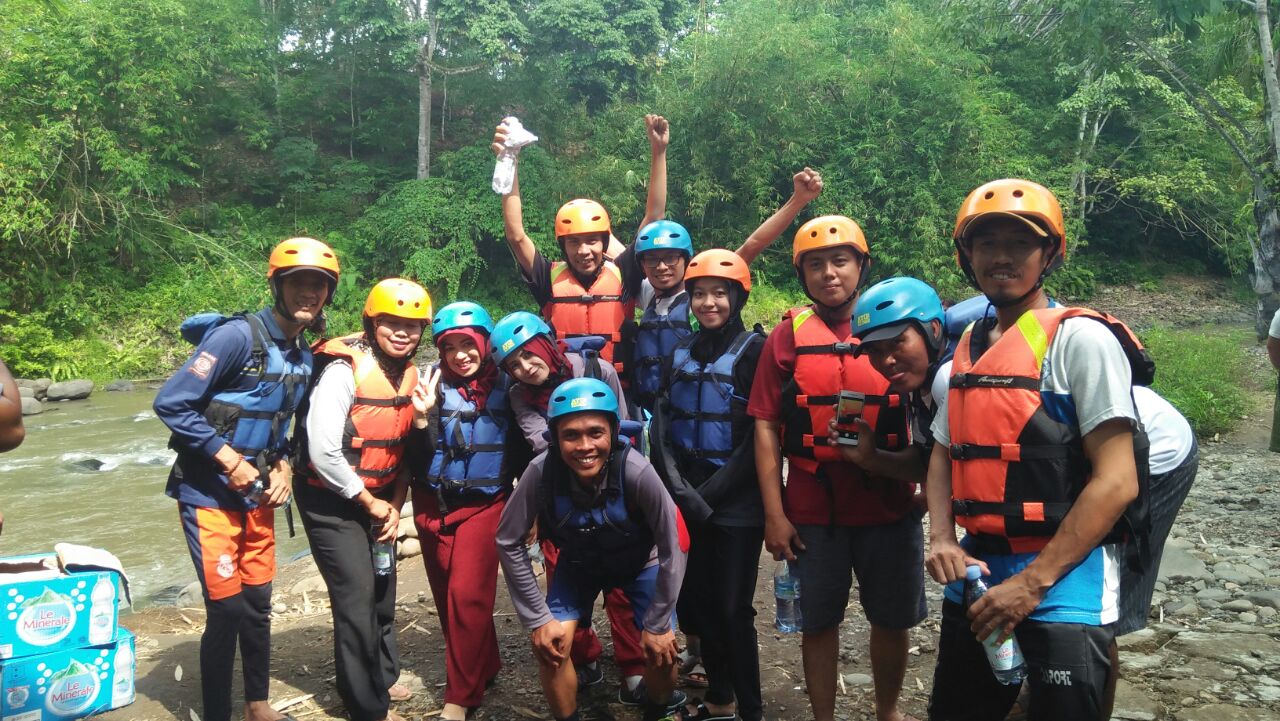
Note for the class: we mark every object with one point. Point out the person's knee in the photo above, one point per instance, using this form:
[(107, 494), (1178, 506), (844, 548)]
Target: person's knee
[(225, 613), (257, 598)]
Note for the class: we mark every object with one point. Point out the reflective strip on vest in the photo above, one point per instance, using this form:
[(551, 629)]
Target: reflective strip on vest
[(599, 310), (702, 397)]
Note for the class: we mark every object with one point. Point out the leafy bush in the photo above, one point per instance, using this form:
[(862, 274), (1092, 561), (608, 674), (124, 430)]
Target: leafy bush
[(1200, 371)]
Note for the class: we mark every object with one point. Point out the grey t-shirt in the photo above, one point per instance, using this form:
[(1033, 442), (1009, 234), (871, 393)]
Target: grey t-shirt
[(644, 491)]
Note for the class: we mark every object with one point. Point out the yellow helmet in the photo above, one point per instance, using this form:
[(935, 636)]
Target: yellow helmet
[(398, 297)]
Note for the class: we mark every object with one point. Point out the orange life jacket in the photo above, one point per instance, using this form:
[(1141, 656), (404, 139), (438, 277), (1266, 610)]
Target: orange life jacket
[(380, 418), (825, 365), (599, 310), (1015, 470)]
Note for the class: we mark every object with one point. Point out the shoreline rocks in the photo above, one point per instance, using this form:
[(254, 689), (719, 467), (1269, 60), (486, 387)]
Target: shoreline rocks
[(74, 390)]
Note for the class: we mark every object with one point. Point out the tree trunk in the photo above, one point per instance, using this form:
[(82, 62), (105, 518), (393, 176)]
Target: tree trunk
[(1266, 254), (424, 120)]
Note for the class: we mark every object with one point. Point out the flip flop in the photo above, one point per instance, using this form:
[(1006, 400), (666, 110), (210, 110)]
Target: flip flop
[(702, 713)]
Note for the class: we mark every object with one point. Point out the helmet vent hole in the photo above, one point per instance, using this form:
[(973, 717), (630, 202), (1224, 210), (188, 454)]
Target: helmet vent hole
[(595, 217), (884, 304), (291, 251), (813, 234), (988, 195), (1017, 193), (833, 230), (597, 394), (399, 302)]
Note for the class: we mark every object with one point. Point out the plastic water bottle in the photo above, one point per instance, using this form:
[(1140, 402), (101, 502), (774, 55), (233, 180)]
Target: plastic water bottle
[(256, 491), (786, 591), (384, 553), (102, 605), (1005, 658), (122, 685)]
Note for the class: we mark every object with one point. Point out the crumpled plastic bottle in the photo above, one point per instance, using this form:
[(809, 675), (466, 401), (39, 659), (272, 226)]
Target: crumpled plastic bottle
[(504, 171)]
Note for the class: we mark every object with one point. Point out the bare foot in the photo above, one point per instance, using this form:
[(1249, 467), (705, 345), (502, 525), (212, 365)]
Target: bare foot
[(399, 692), (261, 711)]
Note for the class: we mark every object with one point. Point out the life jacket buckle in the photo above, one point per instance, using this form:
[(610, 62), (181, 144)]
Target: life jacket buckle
[(961, 452), (842, 348)]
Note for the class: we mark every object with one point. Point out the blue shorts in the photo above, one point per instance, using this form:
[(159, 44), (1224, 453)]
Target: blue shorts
[(572, 599)]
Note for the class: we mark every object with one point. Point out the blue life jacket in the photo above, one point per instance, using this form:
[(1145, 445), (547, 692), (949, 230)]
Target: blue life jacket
[(254, 413), (469, 451), (656, 338), (607, 543), (703, 401)]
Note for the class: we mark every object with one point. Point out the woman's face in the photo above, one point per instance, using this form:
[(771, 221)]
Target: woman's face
[(397, 337), (461, 354), (710, 302), (527, 367)]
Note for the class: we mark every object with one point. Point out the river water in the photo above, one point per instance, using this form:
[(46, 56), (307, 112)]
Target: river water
[(93, 472)]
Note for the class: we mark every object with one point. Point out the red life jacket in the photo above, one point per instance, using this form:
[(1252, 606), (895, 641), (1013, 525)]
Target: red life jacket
[(599, 310), (825, 365), (380, 418), (1015, 470)]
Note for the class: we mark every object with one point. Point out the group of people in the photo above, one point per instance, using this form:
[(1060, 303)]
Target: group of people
[(644, 443)]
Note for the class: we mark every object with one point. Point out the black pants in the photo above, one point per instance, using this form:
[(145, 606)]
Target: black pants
[(1067, 669), (244, 618), (367, 661), (715, 604)]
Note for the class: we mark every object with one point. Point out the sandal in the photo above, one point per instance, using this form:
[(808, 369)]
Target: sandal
[(702, 713), (692, 672)]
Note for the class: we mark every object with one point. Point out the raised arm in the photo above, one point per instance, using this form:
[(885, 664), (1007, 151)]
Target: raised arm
[(807, 186), (513, 211), (658, 131)]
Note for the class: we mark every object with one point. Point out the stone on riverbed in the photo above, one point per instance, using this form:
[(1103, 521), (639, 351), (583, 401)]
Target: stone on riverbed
[(31, 406), (70, 390)]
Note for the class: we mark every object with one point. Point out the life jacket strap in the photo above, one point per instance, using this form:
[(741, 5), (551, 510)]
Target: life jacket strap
[(393, 402), (812, 441), (1032, 511), (586, 298), (358, 442), (1010, 452), (829, 349), (805, 401), (986, 380)]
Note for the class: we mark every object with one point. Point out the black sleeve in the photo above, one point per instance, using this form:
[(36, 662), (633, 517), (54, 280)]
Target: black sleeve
[(540, 282), (632, 275)]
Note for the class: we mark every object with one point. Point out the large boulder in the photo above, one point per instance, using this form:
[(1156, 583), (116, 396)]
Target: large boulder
[(31, 406), (119, 385), (37, 385), (191, 596), (26, 392), (70, 390)]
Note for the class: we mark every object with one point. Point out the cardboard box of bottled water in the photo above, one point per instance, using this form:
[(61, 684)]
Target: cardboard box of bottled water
[(69, 683), (43, 609)]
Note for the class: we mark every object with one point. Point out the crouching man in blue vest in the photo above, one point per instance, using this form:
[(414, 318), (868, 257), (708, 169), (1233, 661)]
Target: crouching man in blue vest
[(610, 516), (229, 408)]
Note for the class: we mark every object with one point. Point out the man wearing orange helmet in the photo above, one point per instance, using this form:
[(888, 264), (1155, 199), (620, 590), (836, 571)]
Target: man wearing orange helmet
[(229, 408), (1039, 453), (832, 519), (585, 293)]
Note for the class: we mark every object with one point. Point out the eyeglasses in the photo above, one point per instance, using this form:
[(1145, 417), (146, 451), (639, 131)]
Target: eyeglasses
[(653, 260)]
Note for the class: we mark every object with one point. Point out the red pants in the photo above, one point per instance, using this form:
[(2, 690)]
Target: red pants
[(627, 652), (462, 568)]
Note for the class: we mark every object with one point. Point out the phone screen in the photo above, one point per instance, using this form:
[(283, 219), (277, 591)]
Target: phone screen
[(848, 408)]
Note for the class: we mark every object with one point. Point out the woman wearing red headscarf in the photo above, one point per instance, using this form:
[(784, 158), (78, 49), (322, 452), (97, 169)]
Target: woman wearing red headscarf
[(459, 497)]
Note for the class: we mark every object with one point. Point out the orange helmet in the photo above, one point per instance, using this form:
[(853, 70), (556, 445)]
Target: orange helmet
[(303, 253), (828, 231), (400, 298), (718, 263), (581, 216), (1025, 201)]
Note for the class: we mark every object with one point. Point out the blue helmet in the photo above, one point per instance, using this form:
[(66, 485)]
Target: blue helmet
[(664, 235), (461, 314), (580, 395), (886, 308), (514, 331)]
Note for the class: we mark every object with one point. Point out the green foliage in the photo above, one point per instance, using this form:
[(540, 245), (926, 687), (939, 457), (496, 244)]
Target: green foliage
[(1201, 371)]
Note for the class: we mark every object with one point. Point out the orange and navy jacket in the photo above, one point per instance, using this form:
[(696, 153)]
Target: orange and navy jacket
[(824, 366), (599, 310), (1015, 470), (380, 418)]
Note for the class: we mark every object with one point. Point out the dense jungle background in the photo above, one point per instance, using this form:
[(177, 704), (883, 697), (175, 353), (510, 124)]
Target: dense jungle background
[(152, 151)]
